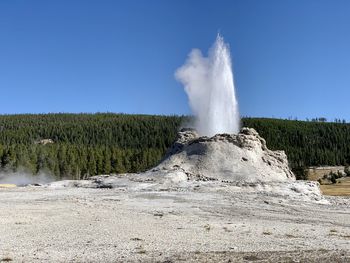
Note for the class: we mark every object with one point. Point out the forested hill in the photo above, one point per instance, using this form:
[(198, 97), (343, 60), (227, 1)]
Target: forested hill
[(84, 144), (306, 143), (80, 145)]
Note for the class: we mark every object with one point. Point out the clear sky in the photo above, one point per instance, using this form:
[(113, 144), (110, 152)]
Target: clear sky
[(291, 57)]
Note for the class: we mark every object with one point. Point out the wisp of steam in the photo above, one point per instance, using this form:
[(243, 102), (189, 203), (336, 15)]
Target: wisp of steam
[(208, 82), (24, 178)]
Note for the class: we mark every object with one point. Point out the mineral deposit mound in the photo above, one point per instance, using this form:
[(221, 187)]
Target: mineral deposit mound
[(241, 158)]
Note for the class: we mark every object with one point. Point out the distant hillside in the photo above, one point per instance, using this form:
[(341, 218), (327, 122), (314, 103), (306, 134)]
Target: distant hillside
[(80, 145), (84, 144)]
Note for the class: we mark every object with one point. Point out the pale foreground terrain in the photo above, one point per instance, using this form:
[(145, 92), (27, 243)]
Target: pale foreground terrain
[(198, 222), (221, 199)]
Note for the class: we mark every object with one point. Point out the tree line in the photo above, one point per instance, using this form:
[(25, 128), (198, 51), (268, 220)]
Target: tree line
[(306, 143), (81, 145)]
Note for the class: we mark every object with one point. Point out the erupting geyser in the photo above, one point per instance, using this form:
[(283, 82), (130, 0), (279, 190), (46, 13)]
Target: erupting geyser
[(208, 82)]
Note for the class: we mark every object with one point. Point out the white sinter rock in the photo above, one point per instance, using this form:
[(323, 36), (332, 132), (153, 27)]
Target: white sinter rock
[(224, 162), (241, 158)]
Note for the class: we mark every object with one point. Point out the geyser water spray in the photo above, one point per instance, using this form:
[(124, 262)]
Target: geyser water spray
[(208, 82)]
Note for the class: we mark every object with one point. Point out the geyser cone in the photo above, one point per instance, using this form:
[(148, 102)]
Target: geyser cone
[(241, 158), (209, 84)]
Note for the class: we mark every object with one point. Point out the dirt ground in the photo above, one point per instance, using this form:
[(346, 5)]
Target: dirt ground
[(206, 224)]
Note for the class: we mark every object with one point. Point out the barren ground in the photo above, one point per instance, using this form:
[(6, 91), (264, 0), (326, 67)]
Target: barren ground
[(207, 224)]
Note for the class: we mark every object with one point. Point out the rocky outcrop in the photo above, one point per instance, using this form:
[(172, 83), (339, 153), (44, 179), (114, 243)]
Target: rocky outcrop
[(241, 158), (224, 163), (44, 141)]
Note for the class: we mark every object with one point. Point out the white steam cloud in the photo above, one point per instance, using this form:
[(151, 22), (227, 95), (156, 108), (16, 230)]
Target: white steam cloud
[(208, 82), (23, 178)]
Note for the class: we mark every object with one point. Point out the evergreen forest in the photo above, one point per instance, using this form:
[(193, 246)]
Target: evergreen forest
[(81, 145)]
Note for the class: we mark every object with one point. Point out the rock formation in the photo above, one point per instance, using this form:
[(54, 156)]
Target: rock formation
[(241, 158), (44, 141), (225, 162)]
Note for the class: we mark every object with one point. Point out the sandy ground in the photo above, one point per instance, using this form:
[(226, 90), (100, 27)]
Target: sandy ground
[(207, 224)]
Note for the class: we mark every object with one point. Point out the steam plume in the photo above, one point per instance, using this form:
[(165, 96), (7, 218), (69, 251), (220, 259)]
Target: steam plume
[(208, 82), (23, 178)]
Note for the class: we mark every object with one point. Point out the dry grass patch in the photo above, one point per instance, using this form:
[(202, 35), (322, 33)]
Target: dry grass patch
[(7, 185), (341, 188)]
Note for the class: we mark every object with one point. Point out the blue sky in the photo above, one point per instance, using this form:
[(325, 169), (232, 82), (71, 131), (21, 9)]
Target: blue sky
[(291, 57)]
